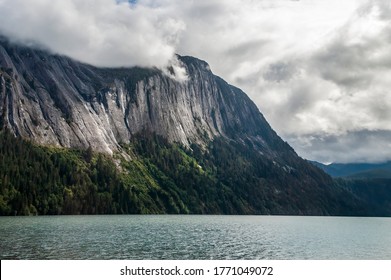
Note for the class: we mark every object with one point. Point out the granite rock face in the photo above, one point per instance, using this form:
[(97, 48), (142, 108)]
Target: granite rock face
[(54, 100)]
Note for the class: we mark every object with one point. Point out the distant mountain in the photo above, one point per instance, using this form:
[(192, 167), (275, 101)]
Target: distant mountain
[(370, 183), (357, 170), (76, 139)]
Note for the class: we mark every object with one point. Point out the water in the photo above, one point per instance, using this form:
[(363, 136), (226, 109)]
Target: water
[(194, 237)]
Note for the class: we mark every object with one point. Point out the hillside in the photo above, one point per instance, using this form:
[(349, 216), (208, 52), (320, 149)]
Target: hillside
[(77, 139), (357, 170)]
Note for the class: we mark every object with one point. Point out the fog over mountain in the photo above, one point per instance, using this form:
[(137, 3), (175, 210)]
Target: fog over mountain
[(318, 70)]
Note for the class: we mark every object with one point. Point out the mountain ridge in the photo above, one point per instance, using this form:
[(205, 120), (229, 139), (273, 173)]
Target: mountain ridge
[(199, 146), (117, 103), (357, 170)]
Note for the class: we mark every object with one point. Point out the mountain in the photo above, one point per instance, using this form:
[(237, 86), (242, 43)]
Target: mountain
[(77, 139), (357, 170), (370, 182), (57, 101)]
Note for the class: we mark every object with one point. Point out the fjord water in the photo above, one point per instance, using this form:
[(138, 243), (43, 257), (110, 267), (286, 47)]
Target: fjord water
[(194, 237)]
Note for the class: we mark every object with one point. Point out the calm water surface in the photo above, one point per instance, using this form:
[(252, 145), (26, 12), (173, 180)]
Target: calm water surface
[(194, 237)]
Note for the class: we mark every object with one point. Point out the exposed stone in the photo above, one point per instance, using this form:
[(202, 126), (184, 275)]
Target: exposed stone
[(54, 100)]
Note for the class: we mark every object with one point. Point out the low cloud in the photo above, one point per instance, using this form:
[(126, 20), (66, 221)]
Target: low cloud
[(358, 146), (99, 32)]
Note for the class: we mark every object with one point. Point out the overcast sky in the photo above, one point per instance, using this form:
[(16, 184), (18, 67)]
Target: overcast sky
[(319, 70)]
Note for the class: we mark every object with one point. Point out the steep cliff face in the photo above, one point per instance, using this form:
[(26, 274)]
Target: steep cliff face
[(193, 146), (57, 101)]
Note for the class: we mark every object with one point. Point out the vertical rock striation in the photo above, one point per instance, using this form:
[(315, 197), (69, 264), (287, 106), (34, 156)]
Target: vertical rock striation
[(54, 100)]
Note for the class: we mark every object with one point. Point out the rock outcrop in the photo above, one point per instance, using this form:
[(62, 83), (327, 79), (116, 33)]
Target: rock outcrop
[(54, 100)]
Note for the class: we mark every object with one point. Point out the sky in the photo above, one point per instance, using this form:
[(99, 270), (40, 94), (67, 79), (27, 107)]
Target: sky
[(317, 69)]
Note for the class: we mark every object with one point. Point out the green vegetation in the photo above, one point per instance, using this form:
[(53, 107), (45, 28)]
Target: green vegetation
[(374, 192), (151, 175), (41, 180)]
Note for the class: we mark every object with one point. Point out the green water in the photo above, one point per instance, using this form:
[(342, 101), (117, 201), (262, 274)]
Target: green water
[(194, 237)]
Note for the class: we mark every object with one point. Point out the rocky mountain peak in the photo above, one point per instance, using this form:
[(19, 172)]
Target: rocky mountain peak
[(57, 101), (189, 145)]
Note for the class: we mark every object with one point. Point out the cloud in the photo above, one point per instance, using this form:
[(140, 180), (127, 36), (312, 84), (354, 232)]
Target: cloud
[(280, 71), (353, 111), (316, 70), (368, 146), (359, 51), (98, 32)]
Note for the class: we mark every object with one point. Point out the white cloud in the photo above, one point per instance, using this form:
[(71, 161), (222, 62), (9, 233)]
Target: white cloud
[(316, 69), (98, 32)]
